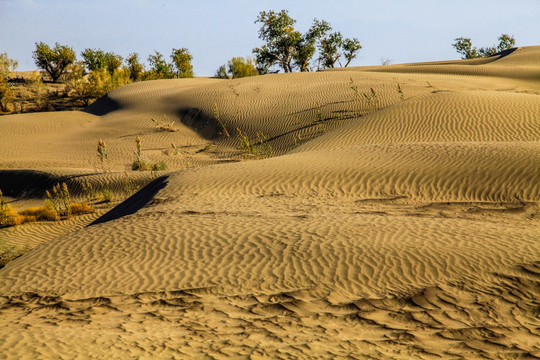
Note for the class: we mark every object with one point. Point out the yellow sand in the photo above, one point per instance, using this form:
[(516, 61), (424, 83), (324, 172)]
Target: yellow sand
[(403, 226)]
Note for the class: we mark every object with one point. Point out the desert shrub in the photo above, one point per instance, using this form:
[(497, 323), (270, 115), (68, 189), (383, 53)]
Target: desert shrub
[(141, 164), (107, 195), (238, 67), (7, 66), (81, 208), (9, 253), (165, 125), (134, 66), (59, 200), (181, 59), (41, 213), (464, 47), (53, 60)]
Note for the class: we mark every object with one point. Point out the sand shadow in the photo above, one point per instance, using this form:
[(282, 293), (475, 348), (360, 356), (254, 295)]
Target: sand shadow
[(136, 202)]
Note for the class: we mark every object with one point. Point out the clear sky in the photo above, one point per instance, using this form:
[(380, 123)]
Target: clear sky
[(215, 31)]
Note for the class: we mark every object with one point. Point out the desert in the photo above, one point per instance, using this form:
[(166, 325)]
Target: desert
[(359, 212)]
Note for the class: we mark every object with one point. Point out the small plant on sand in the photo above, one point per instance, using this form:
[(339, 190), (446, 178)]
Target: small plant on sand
[(128, 185), (400, 92), (319, 120), (164, 126), (175, 149), (372, 98), (102, 153), (218, 118), (106, 195), (59, 200), (90, 193), (354, 88), (259, 148), (245, 144), (7, 214), (141, 164)]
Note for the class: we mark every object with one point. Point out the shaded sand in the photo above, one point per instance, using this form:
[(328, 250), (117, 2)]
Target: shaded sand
[(400, 227)]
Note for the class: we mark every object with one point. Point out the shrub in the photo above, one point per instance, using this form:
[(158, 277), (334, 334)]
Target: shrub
[(81, 208), (182, 61), (42, 213), (464, 47), (59, 199), (238, 67)]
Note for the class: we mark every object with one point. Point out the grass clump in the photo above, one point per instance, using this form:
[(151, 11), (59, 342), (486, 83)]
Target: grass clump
[(9, 253), (59, 199), (319, 120), (102, 153), (372, 98), (164, 126), (218, 118), (260, 148), (141, 164)]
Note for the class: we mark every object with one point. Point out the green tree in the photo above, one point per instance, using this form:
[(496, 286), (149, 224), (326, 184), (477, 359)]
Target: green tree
[(182, 61), (506, 42), (305, 48), (134, 66), (350, 49), (7, 66), (277, 30), (329, 49), (96, 59), (159, 68), (54, 61)]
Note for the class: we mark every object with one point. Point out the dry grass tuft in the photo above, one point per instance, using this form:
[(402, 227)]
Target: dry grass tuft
[(164, 126), (81, 208)]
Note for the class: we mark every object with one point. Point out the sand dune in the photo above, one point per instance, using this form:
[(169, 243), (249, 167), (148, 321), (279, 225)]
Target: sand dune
[(403, 226)]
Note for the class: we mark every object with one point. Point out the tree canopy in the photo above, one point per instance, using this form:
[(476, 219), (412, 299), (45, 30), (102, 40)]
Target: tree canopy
[(464, 47), (182, 61), (53, 60), (289, 49)]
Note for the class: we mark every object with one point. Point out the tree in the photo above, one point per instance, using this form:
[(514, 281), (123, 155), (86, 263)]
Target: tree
[(350, 49), (7, 65), (96, 59), (134, 66), (281, 40), (238, 67), (506, 42), (464, 47), (329, 49), (305, 48), (182, 61), (54, 61), (160, 69)]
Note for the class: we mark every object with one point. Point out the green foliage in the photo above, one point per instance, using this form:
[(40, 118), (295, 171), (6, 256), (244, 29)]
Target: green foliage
[(159, 68), (465, 48), (218, 118), (141, 164), (7, 65), (305, 48), (134, 66), (97, 83), (329, 49), (350, 49), (238, 67), (98, 59), (54, 61), (182, 61), (277, 30), (59, 200)]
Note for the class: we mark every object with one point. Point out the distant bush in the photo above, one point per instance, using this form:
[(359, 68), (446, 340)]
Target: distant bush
[(98, 59), (238, 67), (182, 61), (159, 68), (7, 66), (53, 60), (464, 47), (134, 66)]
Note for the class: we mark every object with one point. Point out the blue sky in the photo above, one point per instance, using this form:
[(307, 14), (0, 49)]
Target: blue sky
[(214, 31)]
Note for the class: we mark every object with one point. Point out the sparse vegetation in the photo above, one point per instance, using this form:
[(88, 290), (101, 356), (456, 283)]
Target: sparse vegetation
[(165, 125), (372, 98), (400, 92), (238, 67), (464, 47), (102, 153), (59, 200), (218, 118), (142, 164), (320, 119), (259, 148), (129, 186)]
